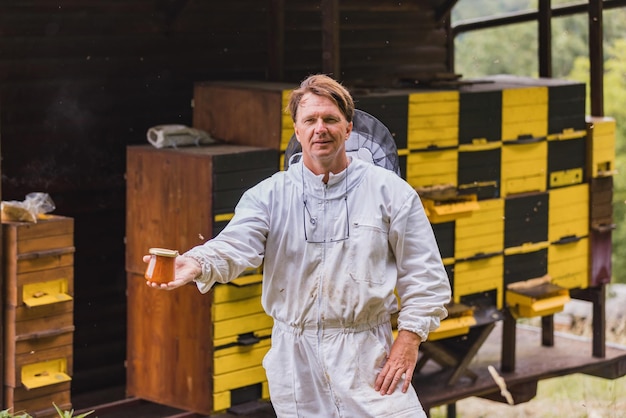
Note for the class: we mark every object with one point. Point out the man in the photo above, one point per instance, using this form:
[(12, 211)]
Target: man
[(336, 236)]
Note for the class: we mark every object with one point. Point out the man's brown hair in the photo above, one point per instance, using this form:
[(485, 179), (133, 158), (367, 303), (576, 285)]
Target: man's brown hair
[(325, 86)]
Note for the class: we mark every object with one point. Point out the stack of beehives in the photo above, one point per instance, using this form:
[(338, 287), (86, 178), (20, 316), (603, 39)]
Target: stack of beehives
[(38, 320)]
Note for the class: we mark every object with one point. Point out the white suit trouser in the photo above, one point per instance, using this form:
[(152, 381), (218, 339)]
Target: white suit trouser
[(331, 373)]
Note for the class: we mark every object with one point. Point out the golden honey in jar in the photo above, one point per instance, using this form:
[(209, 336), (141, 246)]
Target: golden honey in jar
[(161, 266)]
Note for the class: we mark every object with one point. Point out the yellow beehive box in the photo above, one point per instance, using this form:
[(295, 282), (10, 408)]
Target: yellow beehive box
[(459, 321), (483, 231), (429, 168), (524, 112), (535, 297), (480, 273), (450, 210), (524, 166), (433, 119), (568, 212), (568, 263)]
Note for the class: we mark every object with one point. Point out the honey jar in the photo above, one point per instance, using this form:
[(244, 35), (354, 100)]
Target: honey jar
[(161, 266)]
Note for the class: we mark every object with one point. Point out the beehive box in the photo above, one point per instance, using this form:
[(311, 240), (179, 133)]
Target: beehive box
[(433, 120), (224, 333), (480, 113), (38, 307), (479, 169), (244, 112), (600, 146), (567, 159), (391, 107)]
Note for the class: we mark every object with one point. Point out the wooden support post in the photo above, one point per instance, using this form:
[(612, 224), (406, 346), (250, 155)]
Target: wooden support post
[(597, 296), (545, 38), (276, 41), (507, 360), (451, 410), (330, 38), (596, 57), (547, 330)]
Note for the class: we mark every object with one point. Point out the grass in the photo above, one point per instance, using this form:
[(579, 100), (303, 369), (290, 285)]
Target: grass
[(573, 396)]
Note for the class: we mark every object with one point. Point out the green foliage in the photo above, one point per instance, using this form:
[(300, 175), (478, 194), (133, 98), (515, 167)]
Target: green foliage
[(62, 414), (513, 49), (7, 414), (70, 414)]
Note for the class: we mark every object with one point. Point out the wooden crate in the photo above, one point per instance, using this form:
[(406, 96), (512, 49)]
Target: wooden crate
[(244, 112), (178, 199)]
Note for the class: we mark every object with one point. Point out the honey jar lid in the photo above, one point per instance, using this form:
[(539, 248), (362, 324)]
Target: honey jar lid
[(164, 252)]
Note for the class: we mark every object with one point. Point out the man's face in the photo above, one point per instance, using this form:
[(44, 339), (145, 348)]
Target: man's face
[(322, 131)]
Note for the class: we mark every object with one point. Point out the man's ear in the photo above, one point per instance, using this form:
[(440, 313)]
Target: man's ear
[(295, 130), (349, 130)]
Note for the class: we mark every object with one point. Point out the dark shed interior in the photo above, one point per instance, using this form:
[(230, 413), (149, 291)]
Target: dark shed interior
[(82, 80)]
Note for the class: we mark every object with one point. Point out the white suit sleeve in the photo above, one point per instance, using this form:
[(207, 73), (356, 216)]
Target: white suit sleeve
[(239, 246), (423, 286)]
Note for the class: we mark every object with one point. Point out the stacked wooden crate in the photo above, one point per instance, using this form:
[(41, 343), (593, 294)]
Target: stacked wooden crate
[(185, 349), (244, 112), (38, 314)]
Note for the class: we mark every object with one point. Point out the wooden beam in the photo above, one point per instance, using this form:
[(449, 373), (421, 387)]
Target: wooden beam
[(444, 9), (330, 38), (169, 10), (276, 41), (545, 38), (596, 58)]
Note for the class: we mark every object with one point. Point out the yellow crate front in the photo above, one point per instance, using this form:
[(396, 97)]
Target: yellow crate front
[(241, 338), (237, 312), (524, 112), (524, 166), (568, 212), (433, 119), (287, 130), (542, 300), (478, 274), (482, 231), (431, 168), (601, 146), (568, 263), (448, 211), (230, 363)]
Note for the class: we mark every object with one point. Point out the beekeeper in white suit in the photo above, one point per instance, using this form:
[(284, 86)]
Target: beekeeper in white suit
[(336, 236)]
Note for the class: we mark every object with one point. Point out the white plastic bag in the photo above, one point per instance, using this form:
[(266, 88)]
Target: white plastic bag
[(35, 204)]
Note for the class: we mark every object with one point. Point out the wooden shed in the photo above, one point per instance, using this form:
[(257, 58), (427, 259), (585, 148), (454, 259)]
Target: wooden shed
[(80, 81)]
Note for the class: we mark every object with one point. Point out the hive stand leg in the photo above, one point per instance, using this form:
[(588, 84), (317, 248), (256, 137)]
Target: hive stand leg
[(451, 410), (507, 362), (547, 331), (597, 296), (469, 355)]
